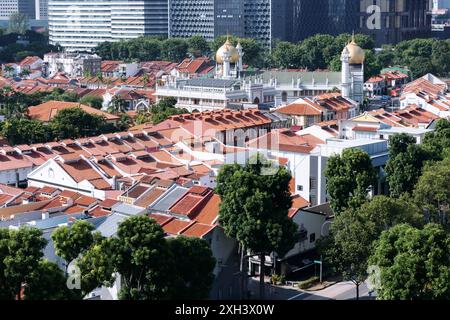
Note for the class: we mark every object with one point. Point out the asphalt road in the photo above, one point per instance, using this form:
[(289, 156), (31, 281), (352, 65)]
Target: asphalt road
[(338, 291)]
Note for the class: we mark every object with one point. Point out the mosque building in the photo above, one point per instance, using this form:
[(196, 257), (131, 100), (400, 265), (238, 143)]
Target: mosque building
[(235, 88)]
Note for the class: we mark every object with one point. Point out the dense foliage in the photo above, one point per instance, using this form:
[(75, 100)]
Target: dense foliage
[(406, 160), (421, 56), (68, 123), (36, 45), (22, 265), (414, 263), (349, 177), (350, 243), (254, 208), (405, 236), (150, 266)]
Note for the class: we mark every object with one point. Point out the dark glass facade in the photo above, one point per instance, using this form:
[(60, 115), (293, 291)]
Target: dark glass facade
[(229, 18), (398, 20), (295, 20), (263, 20), (27, 7)]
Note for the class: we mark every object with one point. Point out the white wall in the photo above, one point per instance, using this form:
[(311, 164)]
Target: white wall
[(221, 246), (312, 223)]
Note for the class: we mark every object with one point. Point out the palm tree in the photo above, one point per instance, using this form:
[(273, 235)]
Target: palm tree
[(117, 105), (8, 70), (25, 73)]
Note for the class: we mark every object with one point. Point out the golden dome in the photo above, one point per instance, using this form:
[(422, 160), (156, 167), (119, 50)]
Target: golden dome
[(232, 51), (357, 54)]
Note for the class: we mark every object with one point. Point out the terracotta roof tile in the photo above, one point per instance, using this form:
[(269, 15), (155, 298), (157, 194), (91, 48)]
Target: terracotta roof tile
[(198, 230), (47, 110)]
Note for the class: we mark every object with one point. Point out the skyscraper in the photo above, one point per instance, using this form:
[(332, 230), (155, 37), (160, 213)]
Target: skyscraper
[(79, 25), (207, 18), (392, 21), (41, 9), (263, 20), (310, 17), (8, 7), (267, 20), (441, 4), (387, 21)]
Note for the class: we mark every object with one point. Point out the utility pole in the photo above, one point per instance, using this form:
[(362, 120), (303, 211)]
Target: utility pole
[(320, 263)]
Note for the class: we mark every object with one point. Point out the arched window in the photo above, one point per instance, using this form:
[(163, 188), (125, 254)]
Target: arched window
[(284, 96), (256, 101), (51, 173)]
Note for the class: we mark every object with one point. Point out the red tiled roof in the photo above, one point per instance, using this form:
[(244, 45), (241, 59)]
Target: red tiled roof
[(301, 109), (365, 129), (85, 201), (47, 110), (175, 226), (47, 189), (160, 219), (29, 60), (286, 140), (375, 79), (425, 86), (108, 203), (212, 121), (198, 230), (210, 212), (298, 203)]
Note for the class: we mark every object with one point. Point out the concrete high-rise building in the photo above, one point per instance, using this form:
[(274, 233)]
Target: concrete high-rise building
[(8, 7), (80, 25), (41, 9), (441, 4), (134, 18), (268, 20), (191, 17), (263, 20), (207, 18)]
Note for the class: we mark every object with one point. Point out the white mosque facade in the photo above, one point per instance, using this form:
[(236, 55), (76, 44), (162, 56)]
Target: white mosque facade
[(234, 88)]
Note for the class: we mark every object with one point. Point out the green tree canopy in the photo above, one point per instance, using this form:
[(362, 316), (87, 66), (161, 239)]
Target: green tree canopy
[(406, 160), (348, 247), (286, 55), (348, 178), (71, 241), (164, 109), (174, 49), (75, 123), (438, 141), (49, 283), (97, 266), (24, 131), (432, 191), (198, 46), (20, 254), (92, 101), (142, 258), (254, 207), (414, 263), (385, 212), (18, 23), (194, 265)]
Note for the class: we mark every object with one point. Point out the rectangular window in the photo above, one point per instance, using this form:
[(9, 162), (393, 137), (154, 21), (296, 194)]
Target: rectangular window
[(313, 183), (299, 188), (312, 237)]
